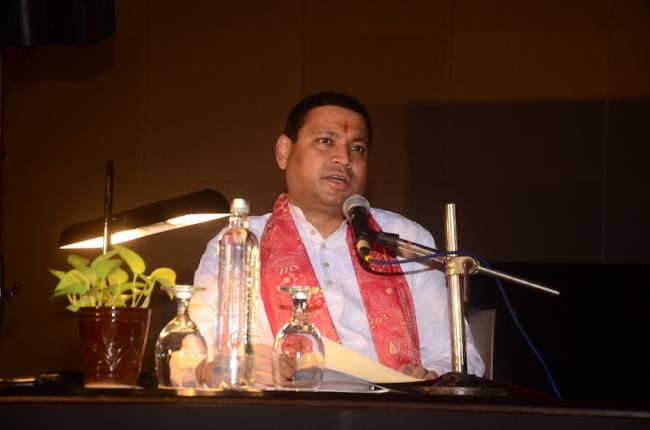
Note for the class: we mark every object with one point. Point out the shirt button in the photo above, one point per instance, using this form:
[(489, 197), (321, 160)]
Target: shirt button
[(329, 283), (326, 264), (323, 246), (312, 232)]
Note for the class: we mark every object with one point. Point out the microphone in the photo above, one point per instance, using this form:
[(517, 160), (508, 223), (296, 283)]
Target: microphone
[(355, 209)]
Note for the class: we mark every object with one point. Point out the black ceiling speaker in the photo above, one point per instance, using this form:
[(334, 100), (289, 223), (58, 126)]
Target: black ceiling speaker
[(33, 23)]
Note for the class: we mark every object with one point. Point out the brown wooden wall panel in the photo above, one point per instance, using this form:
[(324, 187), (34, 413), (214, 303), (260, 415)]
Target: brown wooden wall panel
[(627, 210), (525, 177), (378, 69), (529, 65), (512, 16), (545, 137)]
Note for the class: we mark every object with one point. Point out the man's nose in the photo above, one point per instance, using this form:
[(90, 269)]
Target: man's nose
[(342, 156)]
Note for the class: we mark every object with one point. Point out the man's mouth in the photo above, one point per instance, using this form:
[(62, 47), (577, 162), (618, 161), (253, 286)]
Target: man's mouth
[(338, 179)]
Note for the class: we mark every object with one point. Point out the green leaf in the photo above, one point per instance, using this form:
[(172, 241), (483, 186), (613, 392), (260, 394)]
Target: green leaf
[(59, 274), (165, 276), (72, 277), (77, 288), (101, 258), (106, 295), (135, 262), (106, 267), (106, 282), (77, 261), (88, 274), (85, 275), (74, 307), (86, 301), (118, 277), (130, 286)]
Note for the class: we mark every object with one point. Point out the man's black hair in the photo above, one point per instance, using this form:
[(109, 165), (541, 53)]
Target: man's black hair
[(296, 118)]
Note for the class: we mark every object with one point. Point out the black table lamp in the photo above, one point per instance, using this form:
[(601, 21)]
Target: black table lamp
[(181, 211)]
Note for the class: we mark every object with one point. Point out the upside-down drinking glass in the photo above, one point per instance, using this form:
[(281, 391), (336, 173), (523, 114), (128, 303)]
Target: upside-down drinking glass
[(298, 352), (180, 347)]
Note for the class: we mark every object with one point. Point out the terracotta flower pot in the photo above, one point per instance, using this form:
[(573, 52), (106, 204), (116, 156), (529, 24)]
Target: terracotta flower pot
[(112, 345)]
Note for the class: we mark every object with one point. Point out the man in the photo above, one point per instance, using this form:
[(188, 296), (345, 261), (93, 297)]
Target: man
[(398, 317)]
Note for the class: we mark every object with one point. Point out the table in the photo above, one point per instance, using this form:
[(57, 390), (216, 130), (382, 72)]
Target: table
[(73, 407)]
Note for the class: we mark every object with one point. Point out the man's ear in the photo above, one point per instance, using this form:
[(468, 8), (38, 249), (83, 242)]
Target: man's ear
[(282, 151)]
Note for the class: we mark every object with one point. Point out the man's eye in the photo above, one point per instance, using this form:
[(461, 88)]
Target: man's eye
[(325, 140), (359, 148)]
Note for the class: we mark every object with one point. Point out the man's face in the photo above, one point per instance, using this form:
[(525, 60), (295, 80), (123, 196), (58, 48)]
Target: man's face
[(328, 161)]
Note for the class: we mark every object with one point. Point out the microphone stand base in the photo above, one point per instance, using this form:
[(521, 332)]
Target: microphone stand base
[(459, 384)]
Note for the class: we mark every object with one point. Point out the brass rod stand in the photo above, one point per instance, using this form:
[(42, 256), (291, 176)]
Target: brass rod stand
[(455, 294), (458, 382)]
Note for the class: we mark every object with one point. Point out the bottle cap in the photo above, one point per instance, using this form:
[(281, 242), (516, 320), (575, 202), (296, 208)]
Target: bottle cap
[(240, 206)]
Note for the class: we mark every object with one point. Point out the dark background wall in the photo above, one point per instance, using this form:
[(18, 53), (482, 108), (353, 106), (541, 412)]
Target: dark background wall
[(532, 116)]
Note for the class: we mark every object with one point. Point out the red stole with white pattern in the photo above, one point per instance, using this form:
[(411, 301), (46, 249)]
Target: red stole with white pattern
[(386, 295)]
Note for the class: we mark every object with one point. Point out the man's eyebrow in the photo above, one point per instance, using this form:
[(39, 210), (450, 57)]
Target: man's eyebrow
[(332, 133), (327, 132)]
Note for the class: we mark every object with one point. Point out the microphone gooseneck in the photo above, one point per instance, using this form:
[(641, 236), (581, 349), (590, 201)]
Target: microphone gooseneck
[(356, 209)]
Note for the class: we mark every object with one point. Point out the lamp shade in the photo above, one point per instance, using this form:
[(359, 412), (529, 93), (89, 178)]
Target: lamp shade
[(188, 209)]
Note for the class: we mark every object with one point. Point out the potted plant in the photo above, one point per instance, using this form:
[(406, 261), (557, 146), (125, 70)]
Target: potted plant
[(112, 303)]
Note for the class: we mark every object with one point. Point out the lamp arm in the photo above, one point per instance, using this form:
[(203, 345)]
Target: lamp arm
[(108, 207)]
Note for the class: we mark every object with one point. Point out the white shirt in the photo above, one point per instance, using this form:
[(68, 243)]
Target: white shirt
[(332, 264)]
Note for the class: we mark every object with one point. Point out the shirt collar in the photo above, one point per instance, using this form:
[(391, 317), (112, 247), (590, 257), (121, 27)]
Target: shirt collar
[(307, 229)]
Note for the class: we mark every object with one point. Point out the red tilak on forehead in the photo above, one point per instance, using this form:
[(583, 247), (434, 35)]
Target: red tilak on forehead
[(346, 126)]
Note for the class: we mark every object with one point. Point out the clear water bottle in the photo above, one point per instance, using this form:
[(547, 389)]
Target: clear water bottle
[(238, 285)]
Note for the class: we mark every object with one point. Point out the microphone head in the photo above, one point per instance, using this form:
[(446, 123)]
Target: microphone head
[(355, 201)]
